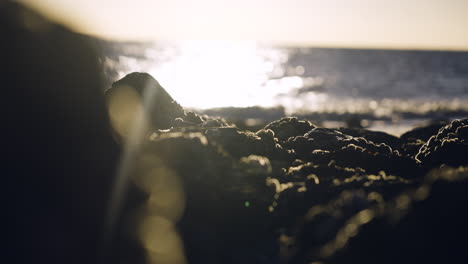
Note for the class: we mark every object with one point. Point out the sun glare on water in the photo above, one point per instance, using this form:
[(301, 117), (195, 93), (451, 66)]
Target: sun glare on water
[(206, 74)]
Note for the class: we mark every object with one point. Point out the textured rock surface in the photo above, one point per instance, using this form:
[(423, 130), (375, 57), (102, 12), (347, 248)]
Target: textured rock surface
[(413, 140), (197, 189), (293, 192), (296, 193), (448, 146), (289, 127)]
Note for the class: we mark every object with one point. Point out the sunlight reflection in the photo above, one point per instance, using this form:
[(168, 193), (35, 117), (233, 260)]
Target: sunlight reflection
[(208, 74), (204, 74), (224, 73)]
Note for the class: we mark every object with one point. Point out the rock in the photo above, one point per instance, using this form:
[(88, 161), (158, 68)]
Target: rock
[(289, 127), (413, 140), (61, 157), (449, 146), (256, 165), (213, 123), (374, 136), (240, 143), (423, 133), (402, 224), (140, 96), (289, 193), (297, 200), (321, 145), (210, 175), (411, 148), (159, 106)]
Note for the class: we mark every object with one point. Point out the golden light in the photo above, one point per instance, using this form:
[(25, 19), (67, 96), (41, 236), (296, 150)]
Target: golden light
[(216, 73), (126, 111), (160, 239), (166, 194)]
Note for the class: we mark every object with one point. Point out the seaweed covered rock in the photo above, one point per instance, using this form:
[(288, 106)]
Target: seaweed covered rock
[(331, 140), (289, 127), (425, 224), (368, 227), (233, 227), (254, 198), (423, 133), (414, 139), (321, 145), (374, 136), (306, 184), (291, 192), (240, 143), (448, 146)]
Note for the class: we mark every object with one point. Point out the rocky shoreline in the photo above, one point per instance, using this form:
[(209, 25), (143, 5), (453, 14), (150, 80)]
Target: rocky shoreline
[(293, 192), (133, 177)]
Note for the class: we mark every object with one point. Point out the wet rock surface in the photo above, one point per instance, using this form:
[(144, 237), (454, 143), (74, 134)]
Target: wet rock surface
[(293, 192)]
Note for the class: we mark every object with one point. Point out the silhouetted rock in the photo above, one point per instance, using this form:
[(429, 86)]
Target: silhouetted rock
[(158, 104), (159, 108)]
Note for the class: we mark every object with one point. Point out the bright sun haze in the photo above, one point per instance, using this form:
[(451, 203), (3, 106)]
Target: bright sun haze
[(415, 24)]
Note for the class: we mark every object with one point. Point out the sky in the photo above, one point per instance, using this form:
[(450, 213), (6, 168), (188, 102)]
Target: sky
[(414, 24)]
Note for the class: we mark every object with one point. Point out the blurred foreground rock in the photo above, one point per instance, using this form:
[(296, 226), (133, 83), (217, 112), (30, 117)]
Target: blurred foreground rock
[(59, 155)]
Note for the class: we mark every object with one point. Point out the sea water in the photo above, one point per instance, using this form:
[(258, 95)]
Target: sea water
[(392, 90)]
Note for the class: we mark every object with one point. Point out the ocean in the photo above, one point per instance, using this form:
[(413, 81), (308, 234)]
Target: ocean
[(389, 90)]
